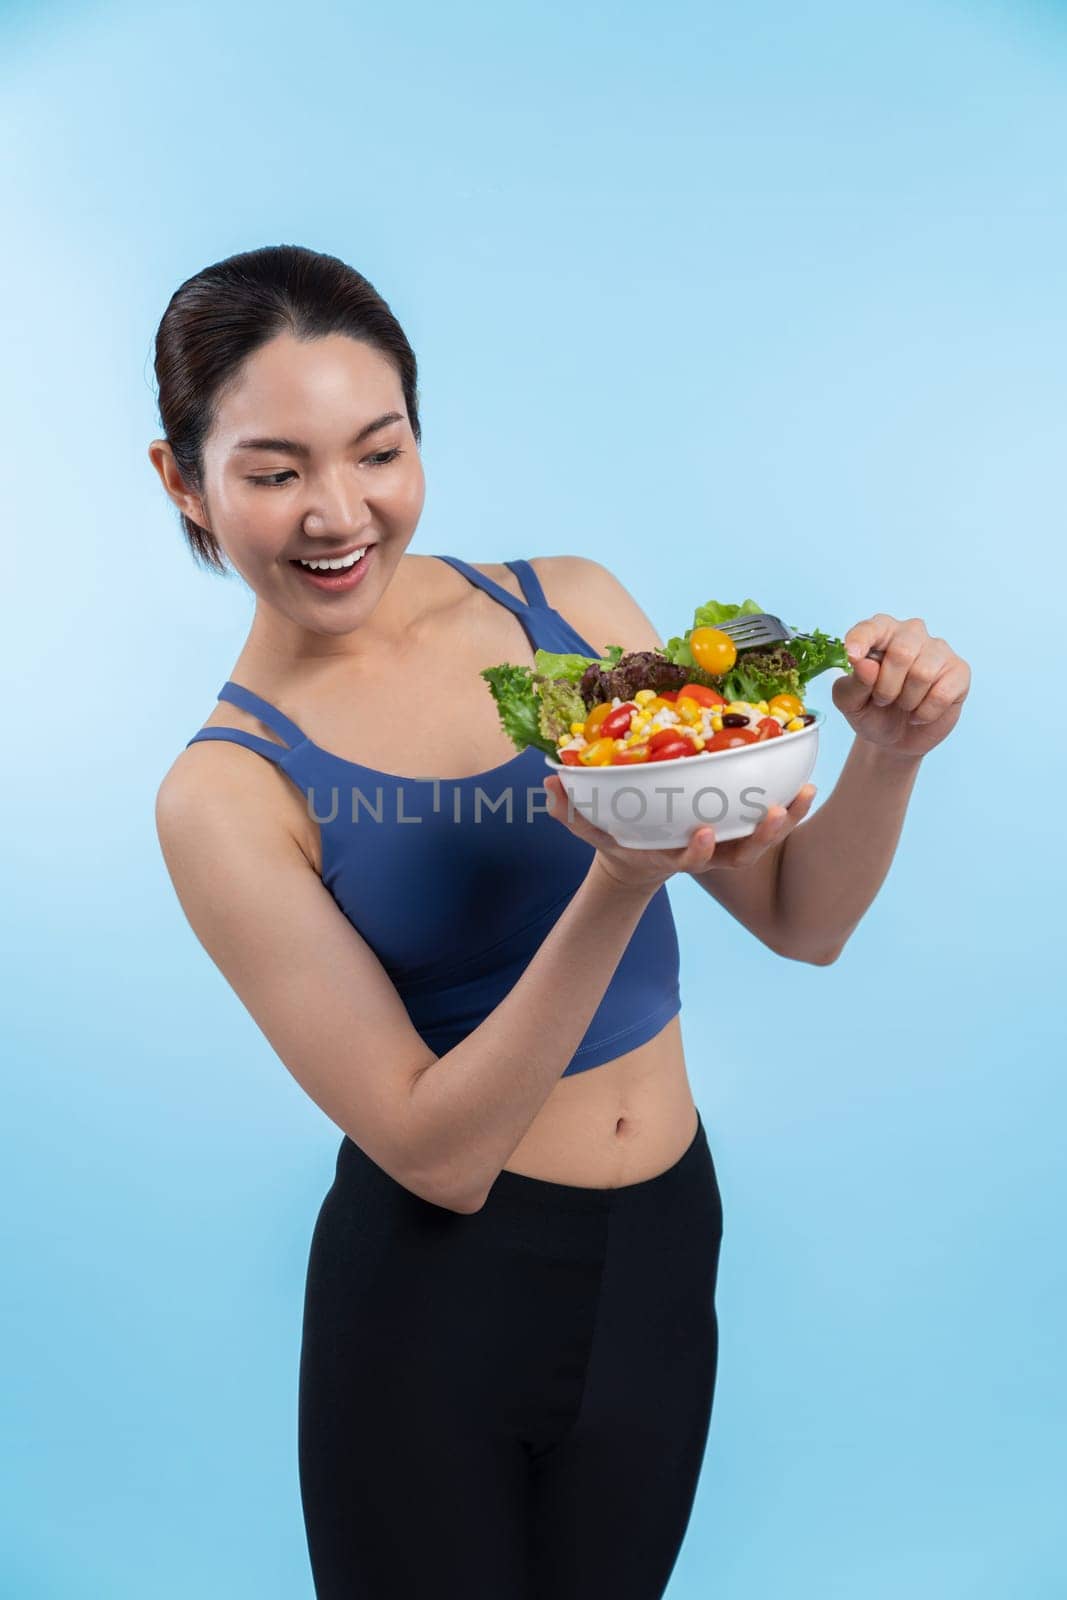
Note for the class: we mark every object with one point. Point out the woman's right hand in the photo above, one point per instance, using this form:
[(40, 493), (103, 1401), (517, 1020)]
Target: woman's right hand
[(648, 869)]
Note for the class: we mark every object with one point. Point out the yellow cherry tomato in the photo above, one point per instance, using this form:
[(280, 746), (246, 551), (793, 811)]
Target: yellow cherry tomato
[(600, 753), (713, 650), (595, 718), (787, 705)]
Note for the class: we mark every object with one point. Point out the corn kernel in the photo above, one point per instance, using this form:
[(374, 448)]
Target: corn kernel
[(699, 742), (577, 728), (762, 705), (794, 725), (716, 724), (640, 722), (643, 696)]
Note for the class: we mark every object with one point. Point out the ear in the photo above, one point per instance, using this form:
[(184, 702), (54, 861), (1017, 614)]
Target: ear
[(189, 504)]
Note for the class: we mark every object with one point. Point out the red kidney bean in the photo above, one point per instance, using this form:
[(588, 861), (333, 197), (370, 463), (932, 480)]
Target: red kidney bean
[(735, 719)]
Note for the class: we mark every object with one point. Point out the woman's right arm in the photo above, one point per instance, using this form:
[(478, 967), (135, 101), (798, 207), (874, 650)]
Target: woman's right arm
[(442, 1126)]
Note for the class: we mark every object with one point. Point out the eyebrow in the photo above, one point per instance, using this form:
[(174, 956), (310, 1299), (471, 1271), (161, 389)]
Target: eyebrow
[(293, 447)]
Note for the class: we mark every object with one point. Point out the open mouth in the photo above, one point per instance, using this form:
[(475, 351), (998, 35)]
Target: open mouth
[(338, 574)]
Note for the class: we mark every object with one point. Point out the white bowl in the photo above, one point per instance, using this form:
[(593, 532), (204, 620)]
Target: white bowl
[(658, 805)]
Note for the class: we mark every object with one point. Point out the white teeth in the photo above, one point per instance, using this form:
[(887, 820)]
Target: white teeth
[(336, 566)]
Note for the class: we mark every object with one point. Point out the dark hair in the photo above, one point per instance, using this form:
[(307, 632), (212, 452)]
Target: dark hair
[(217, 319)]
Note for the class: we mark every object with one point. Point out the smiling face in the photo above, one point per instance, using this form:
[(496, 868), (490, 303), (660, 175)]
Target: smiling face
[(311, 456)]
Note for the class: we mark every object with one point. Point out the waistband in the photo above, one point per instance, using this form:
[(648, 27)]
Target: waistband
[(519, 1191)]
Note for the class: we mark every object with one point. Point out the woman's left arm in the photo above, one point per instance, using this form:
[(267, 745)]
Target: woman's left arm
[(806, 888)]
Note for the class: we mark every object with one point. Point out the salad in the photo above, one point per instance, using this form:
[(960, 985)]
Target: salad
[(697, 694)]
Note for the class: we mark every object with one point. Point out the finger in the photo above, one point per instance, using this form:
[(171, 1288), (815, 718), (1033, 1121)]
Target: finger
[(946, 692), (698, 850), (932, 659), (900, 652), (852, 691), (873, 633), (561, 805)]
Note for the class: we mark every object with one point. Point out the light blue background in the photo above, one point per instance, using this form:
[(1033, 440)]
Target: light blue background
[(763, 299)]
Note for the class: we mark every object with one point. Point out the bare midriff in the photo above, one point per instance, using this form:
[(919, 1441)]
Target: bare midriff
[(619, 1123)]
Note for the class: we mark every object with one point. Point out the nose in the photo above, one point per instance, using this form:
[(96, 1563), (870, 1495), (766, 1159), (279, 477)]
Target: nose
[(338, 510)]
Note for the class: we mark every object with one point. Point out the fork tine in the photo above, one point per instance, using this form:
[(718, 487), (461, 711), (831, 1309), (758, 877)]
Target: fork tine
[(759, 628)]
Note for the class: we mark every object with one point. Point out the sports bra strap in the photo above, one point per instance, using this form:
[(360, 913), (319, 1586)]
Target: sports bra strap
[(493, 588), (529, 582), (251, 741), (276, 720)]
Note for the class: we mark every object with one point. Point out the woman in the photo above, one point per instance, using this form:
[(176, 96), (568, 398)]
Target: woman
[(509, 1341)]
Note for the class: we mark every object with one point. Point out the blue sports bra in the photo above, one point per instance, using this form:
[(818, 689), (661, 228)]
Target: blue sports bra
[(455, 882)]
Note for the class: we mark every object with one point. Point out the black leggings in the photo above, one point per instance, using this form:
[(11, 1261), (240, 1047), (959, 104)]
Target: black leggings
[(511, 1404)]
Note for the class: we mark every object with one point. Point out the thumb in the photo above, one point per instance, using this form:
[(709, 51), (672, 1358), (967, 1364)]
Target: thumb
[(852, 690)]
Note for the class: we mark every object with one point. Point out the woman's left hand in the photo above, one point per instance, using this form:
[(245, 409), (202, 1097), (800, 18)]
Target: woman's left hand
[(911, 699)]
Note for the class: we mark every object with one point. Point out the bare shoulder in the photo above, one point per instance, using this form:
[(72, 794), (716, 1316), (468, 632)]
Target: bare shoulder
[(595, 602), (219, 790)]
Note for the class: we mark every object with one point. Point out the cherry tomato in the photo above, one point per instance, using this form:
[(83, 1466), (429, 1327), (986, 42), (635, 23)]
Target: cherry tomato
[(595, 718), (732, 738), (663, 736), (713, 650), (787, 704), (631, 755), (701, 694), (768, 728), (597, 754), (670, 752), (570, 758), (670, 695), (617, 724)]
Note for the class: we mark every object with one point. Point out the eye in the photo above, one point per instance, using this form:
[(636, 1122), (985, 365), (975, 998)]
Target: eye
[(274, 480)]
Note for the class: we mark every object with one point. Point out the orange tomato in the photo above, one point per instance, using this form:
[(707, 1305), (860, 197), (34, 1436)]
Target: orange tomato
[(598, 754), (713, 650), (787, 704)]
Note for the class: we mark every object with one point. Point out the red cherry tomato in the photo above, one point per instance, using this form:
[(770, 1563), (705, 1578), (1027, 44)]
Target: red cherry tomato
[(630, 757), (617, 724), (669, 694), (663, 736), (768, 727), (732, 738), (669, 751), (569, 758), (700, 693)]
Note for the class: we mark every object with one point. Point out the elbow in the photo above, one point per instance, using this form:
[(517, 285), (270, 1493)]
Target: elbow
[(464, 1203), (812, 957), (449, 1190), (825, 958)]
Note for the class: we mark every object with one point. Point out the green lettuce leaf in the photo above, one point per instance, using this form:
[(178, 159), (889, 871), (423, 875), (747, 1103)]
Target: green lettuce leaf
[(518, 705), (561, 704)]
